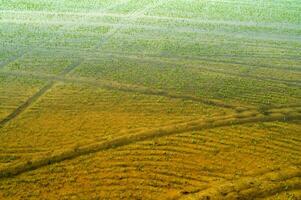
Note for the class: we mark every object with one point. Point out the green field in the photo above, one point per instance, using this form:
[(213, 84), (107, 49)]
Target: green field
[(150, 99)]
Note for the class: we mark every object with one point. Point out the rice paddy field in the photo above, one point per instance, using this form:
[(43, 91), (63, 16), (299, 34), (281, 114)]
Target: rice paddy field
[(150, 99)]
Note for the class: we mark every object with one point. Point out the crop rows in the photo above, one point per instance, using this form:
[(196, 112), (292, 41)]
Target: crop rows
[(60, 110), (150, 99), (202, 163), (254, 187), (278, 115)]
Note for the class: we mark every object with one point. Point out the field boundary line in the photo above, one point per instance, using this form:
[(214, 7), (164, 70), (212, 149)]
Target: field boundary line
[(174, 59), (154, 58), (195, 125), (112, 85), (32, 99)]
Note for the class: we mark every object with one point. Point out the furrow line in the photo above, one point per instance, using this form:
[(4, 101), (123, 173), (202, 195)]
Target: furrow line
[(141, 136)]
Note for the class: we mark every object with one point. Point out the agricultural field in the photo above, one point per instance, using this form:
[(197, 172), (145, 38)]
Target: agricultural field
[(150, 99)]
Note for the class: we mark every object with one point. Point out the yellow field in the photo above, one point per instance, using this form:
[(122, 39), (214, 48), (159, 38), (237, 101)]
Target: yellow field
[(150, 99)]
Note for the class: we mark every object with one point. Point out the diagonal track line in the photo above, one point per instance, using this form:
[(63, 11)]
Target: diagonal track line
[(127, 139), (20, 109), (50, 84), (12, 59), (26, 104), (118, 143), (195, 125), (111, 85)]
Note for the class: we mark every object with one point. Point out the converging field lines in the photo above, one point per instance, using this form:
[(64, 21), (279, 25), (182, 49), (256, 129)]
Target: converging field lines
[(111, 85), (150, 99)]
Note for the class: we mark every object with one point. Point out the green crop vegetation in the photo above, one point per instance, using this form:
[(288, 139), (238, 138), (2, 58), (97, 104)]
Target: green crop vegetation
[(150, 99)]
